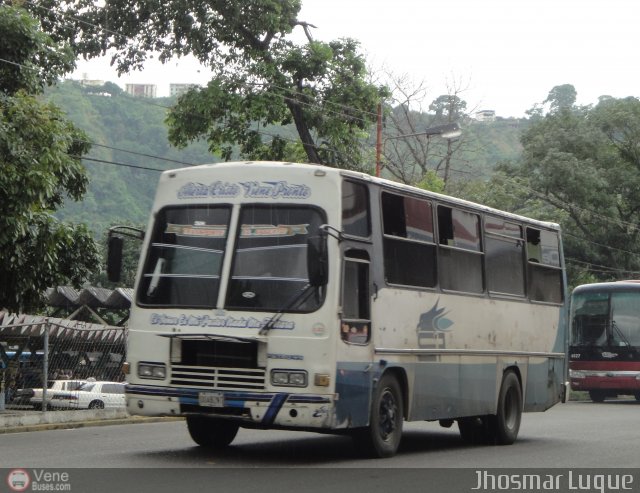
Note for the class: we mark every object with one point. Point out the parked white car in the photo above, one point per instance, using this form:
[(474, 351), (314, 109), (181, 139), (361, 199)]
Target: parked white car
[(91, 395), (33, 397)]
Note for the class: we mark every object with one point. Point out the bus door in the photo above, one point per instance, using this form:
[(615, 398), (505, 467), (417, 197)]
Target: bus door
[(354, 374)]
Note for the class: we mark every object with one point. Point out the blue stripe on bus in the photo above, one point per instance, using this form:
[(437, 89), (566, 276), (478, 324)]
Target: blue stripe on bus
[(231, 399), (274, 408)]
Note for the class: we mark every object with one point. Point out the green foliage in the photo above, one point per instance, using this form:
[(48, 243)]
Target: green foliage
[(583, 162), (39, 166), (124, 131), (32, 59), (261, 77), (432, 182)]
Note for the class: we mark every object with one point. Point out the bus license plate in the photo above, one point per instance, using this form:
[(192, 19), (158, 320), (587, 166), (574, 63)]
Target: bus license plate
[(211, 399)]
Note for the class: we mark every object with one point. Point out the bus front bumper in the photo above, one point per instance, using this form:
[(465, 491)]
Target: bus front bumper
[(264, 409), (601, 380)]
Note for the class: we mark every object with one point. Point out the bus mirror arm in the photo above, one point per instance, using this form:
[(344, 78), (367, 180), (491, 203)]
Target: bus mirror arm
[(331, 231)]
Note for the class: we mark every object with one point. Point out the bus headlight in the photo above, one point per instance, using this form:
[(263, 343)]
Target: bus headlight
[(289, 378), (156, 371)]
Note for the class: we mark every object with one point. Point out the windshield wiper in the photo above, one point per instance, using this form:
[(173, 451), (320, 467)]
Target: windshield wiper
[(299, 298), (620, 334)]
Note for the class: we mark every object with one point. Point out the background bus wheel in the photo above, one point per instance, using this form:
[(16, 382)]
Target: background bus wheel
[(504, 426), (211, 432), (597, 395), (382, 437)]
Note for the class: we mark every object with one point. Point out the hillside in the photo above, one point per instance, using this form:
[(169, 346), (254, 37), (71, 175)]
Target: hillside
[(116, 122)]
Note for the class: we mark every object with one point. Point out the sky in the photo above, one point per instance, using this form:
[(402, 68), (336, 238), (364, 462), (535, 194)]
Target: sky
[(503, 55)]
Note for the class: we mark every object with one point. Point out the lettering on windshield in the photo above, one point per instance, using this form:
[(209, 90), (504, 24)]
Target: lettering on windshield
[(272, 231)]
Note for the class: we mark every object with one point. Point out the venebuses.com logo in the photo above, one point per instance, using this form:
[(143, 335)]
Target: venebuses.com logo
[(38, 480), (18, 480)]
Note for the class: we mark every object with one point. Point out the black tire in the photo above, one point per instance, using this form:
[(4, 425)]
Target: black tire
[(597, 395), (211, 432), (382, 437), (501, 428), (96, 405), (504, 426), (637, 396)]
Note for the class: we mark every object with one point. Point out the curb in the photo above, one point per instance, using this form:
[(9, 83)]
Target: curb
[(85, 424)]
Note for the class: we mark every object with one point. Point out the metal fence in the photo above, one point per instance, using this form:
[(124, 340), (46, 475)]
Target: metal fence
[(43, 360)]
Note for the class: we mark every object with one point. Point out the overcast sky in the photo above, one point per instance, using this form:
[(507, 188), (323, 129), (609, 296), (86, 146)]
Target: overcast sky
[(506, 54)]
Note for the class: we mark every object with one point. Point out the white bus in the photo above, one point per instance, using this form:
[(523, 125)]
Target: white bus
[(302, 297)]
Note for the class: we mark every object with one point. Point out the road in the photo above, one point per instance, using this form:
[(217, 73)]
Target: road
[(579, 435)]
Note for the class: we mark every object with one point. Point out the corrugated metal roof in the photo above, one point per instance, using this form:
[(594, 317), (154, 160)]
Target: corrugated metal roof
[(93, 297)]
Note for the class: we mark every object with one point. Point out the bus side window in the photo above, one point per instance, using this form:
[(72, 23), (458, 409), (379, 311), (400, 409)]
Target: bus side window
[(355, 327), (544, 273), (504, 247), (409, 250), (460, 251), (355, 209)]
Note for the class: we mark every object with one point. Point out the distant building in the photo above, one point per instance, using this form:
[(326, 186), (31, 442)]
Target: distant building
[(486, 115), (85, 81), (141, 90), (178, 89)]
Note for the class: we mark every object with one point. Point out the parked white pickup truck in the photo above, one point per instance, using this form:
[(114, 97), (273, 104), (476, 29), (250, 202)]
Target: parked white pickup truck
[(33, 397)]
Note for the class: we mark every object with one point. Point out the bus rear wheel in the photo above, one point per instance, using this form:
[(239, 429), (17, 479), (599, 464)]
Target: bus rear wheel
[(211, 432), (504, 426), (382, 437), (501, 428)]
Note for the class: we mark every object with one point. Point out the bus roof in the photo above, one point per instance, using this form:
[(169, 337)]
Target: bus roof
[(627, 285), (389, 184)]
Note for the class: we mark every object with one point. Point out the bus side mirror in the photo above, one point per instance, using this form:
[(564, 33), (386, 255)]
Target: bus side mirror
[(317, 267), (114, 258)]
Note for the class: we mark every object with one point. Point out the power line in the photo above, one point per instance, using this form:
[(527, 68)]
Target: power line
[(138, 153), (118, 164)]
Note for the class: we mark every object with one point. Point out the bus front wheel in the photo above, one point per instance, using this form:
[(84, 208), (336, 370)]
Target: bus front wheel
[(382, 437), (211, 432)]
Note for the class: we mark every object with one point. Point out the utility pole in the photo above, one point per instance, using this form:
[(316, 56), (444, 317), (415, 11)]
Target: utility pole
[(379, 140)]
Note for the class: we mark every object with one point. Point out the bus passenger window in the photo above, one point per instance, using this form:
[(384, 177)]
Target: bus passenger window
[(355, 327), (544, 273), (355, 209), (460, 251), (504, 251), (409, 249)]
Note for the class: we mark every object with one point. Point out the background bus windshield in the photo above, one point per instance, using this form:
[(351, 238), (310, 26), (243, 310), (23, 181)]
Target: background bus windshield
[(606, 319)]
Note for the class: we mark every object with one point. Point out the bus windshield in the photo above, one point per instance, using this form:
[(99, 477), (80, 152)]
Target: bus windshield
[(606, 319), (184, 260), (270, 262), (184, 263)]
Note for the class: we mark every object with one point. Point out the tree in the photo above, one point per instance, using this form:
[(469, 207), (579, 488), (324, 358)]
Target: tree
[(584, 162), (409, 154), (39, 167), (260, 77), (561, 97)]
